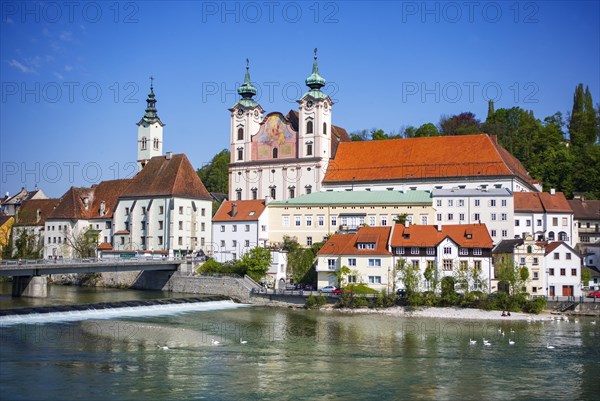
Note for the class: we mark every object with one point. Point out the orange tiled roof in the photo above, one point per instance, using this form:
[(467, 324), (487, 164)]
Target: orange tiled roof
[(107, 192), (167, 177), (551, 246), (429, 236), (540, 202), (347, 244), (105, 246), (71, 204), (28, 212), (418, 158), (243, 210)]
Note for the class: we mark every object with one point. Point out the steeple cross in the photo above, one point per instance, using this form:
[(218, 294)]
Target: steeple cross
[(151, 81)]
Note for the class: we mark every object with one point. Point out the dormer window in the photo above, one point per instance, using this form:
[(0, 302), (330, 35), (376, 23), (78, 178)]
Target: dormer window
[(366, 245)]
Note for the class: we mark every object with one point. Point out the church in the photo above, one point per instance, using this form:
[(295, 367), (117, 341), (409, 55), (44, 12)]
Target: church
[(277, 156)]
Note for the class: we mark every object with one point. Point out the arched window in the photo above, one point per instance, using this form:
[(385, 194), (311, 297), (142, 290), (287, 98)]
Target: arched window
[(551, 236), (324, 128), (275, 152), (292, 192), (254, 193), (308, 189), (144, 143), (155, 143), (528, 248), (309, 149), (240, 153), (273, 193), (562, 236), (240, 134), (309, 127)]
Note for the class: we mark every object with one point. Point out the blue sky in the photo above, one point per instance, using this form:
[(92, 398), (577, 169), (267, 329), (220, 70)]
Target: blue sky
[(75, 75)]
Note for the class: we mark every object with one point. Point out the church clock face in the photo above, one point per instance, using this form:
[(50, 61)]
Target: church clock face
[(240, 112), (255, 113), (326, 105), (309, 104)]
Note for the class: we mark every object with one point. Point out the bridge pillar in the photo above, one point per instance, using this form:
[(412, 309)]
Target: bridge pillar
[(30, 286)]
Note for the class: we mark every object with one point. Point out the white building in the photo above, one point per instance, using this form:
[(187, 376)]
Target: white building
[(563, 270), (545, 216), (237, 227), (493, 207), (165, 207), (586, 214), (281, 156)]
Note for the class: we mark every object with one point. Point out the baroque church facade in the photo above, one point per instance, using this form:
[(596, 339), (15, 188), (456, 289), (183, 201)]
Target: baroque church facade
[(276, 156)]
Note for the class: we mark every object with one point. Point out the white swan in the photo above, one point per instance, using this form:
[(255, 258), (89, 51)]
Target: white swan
[(472, 342), (215, 342), (161, 346), (486, 342), (243, 341), (594, 322), (549, 346), (511, 342)]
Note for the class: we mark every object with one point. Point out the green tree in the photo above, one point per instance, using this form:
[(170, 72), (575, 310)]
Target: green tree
[(586, 276), (409, 276), (360, 135), (426, 130), (27, 245), (431, 275), (215, 175), (84, 244), (256, 262), (340, 274), (460, 124)]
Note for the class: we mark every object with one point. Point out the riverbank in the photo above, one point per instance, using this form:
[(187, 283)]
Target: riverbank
[(445, 313)]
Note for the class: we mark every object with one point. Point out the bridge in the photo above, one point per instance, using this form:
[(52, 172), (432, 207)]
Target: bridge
[(30, 276)]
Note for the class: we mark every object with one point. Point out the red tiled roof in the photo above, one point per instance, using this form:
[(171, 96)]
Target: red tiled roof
[(551, 246), (107, 192), (122, 232), (167, 177), (243, 208), (418, 158), (429, 236), (540, 202), (71, 204), (347, 244), (28, 212), (105, 246), (585, 209)]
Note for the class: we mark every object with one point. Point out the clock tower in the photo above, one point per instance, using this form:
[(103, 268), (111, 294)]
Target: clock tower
[(150, 132)]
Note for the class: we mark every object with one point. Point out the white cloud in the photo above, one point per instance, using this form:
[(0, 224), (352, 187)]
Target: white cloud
[(58, 75), (20, 66)]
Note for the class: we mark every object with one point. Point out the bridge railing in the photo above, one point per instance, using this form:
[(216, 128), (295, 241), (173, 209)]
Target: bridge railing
[(78, 261)]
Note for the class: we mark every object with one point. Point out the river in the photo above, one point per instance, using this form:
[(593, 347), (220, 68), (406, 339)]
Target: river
[(288, 354)]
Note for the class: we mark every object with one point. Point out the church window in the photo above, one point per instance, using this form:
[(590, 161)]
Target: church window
[(254, 193), (240, 153), (144, 143), (324, 128), (275, 153), (292, 192), (308, 189), (240, 136), (239, 194), (155, 143), (273, 192), (309, 149), (309, 127)]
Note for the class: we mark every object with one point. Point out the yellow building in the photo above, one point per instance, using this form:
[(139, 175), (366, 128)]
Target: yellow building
[(6, 223)]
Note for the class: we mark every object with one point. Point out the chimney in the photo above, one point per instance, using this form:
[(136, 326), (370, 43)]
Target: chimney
[(38, 216), (439, 228), (233, 209), (267, 200), (406, 223), (102, 208), (552, 191), (169, 155)]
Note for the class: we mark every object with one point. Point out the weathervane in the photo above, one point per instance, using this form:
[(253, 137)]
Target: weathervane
[(315, 54), (151, 82), (247, 64)]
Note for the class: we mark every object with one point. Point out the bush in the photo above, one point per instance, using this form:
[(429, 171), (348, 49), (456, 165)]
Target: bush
[(535, 305), (430, 299), (315, 302), (360, 289)]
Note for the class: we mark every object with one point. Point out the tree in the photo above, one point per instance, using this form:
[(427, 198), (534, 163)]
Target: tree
[(215, 175), (27, 245), (513, 276), (426, 130), (360, 135), (586, 277), (85, 244), (340, 274), (409, 276), (401, 218), (431, 275), (460, 124), (256, 263)]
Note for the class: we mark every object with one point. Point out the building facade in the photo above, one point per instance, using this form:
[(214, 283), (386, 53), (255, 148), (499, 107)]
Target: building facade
[(586, 214), (563, 270)]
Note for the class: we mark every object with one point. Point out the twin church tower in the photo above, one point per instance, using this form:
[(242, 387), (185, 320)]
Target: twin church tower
[(273, 156)]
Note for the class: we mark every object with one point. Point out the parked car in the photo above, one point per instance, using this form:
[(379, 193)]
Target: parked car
[(594, 294), (330, 289)]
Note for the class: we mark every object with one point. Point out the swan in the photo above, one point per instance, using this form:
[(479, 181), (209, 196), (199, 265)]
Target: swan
[(502, 333), (472, 342), (161, 346), (594, 322), (549, 346), (243, 341), (576, 320), (487, 344), (215, 342), (511, 342), (512, 331)]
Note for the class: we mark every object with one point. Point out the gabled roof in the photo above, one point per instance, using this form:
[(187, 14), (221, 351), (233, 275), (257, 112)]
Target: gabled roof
[(540, 202), (585, 209), (421, 158), (244, 210), (429, 236), (171, 175), (72, 204), (28, 212), (106, 194), (551, 246), (507, 245), (347, 244), (359, 198), (24, 195)]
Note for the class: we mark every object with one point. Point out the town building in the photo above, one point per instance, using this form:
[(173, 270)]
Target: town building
[(31, 217), (164, 207), (9, 205), (523, 252), (563, 270), (312, 218), (545, 216), (277, 155), (366, 253), (493, 207), (442, 162), (6, 224), (237, 227), (586, 214), (461, 251)]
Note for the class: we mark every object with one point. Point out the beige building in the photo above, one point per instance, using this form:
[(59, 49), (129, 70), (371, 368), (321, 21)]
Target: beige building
[(311, 218)]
